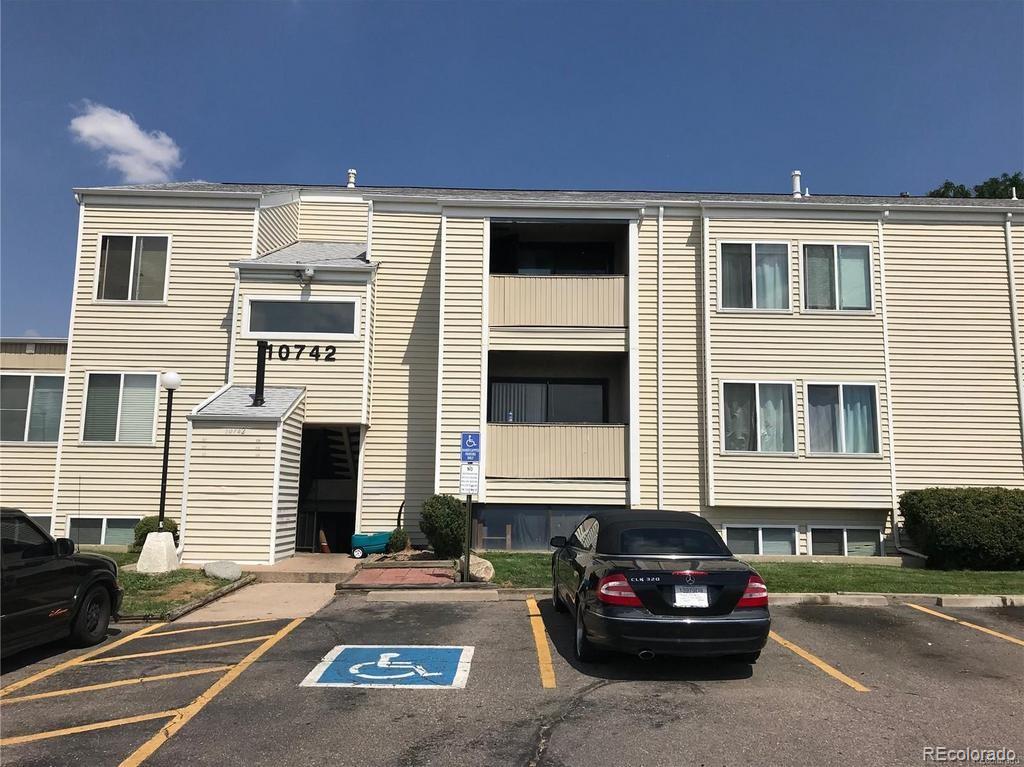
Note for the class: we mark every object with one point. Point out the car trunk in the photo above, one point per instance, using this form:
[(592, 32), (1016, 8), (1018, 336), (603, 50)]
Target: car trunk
[(673, 586)]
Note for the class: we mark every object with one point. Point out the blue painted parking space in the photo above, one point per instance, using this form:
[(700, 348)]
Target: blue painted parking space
[(412, 666)]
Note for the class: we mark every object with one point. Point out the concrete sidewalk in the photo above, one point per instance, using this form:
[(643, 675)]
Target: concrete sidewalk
[(265, 601)]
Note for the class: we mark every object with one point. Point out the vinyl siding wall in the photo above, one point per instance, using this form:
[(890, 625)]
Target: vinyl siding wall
[(463, 353), (230, 492), (334, 390), (565, 339), (954, 384), (561, 491), (188, 334), (799, 347), (682, 406), (26, 476), (646, 282), (288, 482), (398, 453), (336, 221), (14, 357), (279, 226)]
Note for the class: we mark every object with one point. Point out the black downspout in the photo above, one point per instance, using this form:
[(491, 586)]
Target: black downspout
[(262, 350)]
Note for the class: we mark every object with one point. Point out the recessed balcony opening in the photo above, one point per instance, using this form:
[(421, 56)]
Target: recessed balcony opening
[(568, 274), (557, 415), (566, 248)]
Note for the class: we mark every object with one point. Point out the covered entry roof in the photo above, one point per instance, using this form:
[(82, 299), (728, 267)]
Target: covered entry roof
[(315, 253), (235, 404)]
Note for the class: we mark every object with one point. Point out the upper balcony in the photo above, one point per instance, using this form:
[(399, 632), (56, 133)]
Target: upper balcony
[(552, 275)]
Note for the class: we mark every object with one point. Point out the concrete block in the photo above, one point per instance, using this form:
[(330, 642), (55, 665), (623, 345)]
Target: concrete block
[(229, 571), (969, 600), (158, 554), (434, 595)]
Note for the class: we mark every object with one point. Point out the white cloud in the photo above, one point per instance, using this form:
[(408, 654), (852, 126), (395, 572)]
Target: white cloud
[(141, 157)]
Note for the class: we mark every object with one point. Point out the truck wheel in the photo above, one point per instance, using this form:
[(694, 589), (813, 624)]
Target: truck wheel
[(93, 617)]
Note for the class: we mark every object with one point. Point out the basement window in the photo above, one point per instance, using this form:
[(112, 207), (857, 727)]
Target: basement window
[(846, 541), (760, 540), (102, 531)]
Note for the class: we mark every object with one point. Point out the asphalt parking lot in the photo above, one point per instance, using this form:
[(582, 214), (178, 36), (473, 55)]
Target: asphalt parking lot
[(835, 685)]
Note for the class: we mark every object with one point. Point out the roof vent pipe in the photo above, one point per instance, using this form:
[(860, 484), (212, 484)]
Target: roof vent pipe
[(351, 178), (1014, 195), (796, 185)]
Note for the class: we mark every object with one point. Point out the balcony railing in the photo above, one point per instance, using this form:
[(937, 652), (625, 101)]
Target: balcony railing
[(558, 300), (556, 451)]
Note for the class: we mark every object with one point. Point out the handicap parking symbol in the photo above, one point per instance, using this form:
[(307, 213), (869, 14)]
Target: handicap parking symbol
[(418, 666)]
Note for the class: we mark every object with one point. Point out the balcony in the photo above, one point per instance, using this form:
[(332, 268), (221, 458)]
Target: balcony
[(579, 301), (556, 450)]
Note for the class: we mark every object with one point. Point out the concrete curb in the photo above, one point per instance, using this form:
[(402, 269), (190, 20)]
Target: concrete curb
[(841, 600), (431, 595), (173, 615), (978, 600), (357, 587)]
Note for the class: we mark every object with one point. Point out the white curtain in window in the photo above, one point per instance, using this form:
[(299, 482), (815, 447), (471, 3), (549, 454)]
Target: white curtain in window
[(823, 418), (859, 419), (736, 287), (138, 400), (854, 277), (776, 418), (819, 277), (740, 422), (771, 272), (44, 421)]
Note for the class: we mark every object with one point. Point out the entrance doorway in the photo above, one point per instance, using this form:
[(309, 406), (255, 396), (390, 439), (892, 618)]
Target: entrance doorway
[(327, 488)]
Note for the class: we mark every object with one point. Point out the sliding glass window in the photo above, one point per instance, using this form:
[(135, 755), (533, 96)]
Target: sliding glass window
[(757, 417), (842, 418), (837, 277), (30, 407), (548, 401), (755, 275)]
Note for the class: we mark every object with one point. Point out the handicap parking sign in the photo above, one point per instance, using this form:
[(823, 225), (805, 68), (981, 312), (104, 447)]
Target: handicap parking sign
[(418, 666)]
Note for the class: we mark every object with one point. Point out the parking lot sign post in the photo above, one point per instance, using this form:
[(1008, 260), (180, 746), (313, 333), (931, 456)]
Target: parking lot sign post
[(469, 485)]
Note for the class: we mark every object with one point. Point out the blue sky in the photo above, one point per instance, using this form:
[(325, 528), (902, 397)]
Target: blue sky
[(864, 97)]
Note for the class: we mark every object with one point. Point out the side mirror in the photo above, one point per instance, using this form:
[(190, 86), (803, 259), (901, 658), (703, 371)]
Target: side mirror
[(65, 547), (558, 541)]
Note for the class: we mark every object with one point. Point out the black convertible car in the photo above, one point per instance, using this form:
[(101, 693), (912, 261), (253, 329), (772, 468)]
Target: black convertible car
[(49, 591), (658, 582)]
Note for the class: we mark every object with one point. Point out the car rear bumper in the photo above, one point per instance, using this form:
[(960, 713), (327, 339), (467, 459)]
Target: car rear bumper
[(714, 635)]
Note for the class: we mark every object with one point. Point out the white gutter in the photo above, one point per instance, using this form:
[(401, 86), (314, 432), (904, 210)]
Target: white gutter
[(659, 361), (709, 455), (890, 417), (1015, 324)]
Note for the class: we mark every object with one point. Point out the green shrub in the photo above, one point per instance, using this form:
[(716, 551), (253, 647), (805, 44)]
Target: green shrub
[(399, 540), (149, 525), (973, 528), (443, 521)]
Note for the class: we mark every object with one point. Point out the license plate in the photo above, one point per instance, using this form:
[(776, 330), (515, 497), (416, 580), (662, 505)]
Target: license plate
[(691, 596)]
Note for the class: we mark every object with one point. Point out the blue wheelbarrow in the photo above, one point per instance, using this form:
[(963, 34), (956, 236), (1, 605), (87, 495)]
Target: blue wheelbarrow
[(369, 543)]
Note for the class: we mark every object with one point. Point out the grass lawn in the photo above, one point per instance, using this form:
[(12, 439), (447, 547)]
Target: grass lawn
[(534, 571), (154, 595)]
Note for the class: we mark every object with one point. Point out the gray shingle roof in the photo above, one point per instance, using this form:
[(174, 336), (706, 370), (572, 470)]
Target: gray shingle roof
[(338, 255), (555, 195), (235, 404)]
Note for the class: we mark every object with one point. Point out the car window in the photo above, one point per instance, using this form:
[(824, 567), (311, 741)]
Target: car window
[(20, 539), (586, 535), (668, 540)]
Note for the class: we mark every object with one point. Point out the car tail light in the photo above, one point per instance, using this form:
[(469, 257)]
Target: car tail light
[(755, 594), (615, 590)]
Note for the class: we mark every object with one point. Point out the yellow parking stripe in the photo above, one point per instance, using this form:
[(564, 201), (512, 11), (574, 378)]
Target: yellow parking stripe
[(85, 728), (184, 715), (108, 685), (213, 628), (174, 650), (974, 626), (540, 640), (77, 660), (819, 663)]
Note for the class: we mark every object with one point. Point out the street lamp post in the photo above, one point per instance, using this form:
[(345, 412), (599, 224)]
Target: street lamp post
[(170, 381)]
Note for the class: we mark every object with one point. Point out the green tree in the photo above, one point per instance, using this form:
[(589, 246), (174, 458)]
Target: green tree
[(997, 187)]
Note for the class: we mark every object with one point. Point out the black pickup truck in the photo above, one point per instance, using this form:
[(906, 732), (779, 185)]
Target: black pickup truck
[(50, 592)]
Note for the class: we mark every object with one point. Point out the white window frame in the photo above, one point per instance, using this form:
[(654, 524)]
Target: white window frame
[(130, 301), (31, 374), (842, 419), (340, 299), (835, 277), (760, 537), (846, 546), (120, 393), (753, 277), (103, 527), (757, 401)]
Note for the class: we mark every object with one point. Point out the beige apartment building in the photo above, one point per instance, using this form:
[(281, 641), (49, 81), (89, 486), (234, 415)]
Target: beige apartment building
[(783, 364)]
